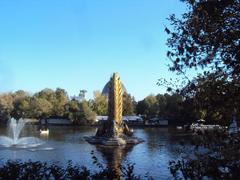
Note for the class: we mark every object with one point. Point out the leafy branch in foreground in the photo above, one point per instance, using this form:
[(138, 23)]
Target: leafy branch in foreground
[(42, 170), (214, 155), (206, 36)]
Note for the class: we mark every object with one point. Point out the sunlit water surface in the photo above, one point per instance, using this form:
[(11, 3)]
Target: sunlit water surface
[(67, 143)]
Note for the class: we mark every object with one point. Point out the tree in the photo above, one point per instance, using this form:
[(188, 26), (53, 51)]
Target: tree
[(80, 112), (170, 106), (41, 107), (215, 155), (214, 94), (73, 110), (173, 106), (148, 107), (6, 106), (86, 115), (100, 104), (128, 104), (20, 104), (141, 107), (208, 35), (82, 94), (20, 94), (161, 105), (21, 108), (47, 94), (60, 101)]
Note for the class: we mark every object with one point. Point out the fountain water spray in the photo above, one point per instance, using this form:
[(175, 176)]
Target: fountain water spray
[(14, 140)]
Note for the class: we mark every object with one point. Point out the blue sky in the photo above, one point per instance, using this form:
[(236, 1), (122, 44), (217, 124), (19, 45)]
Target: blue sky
[(78, 44)]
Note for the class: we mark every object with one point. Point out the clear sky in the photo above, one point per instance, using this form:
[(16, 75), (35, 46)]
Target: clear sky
[(78, 44)]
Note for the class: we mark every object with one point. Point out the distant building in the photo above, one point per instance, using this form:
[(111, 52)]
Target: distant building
[(100, 119), (32, 121), (157, 122), (105, 90), (131, 120), (56, 121)]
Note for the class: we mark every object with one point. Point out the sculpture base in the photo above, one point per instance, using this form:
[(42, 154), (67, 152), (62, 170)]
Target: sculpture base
[(113, 141)]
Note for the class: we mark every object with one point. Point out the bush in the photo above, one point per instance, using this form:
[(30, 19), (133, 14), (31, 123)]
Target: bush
[(42, 170), (214, 155)]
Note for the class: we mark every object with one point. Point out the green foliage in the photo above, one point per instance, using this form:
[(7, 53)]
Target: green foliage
[(73, 110), (173, 106), (6, 106), (41, 108), (216, 95), (49, 103), (80, 112), (151, 106), (43, 104), (215, 156), (206, 36), (202, 114), (20, 104), (47, 94), (162, 103), (59, 103), (148, 107), (82, 94), (100, 104), (40, 170), (86, 115), (165, 106), (128, 104), (21, 108)]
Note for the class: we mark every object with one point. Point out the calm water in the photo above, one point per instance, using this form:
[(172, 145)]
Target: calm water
[(67, 143)]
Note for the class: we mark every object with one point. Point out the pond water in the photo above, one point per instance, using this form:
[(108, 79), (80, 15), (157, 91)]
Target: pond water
[(67, 143)]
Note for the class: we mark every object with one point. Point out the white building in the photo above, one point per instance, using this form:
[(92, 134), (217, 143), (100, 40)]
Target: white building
[(56, 121), (157, 122), (128, 119)]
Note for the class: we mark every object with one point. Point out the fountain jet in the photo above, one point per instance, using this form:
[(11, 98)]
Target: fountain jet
[(14, 140)]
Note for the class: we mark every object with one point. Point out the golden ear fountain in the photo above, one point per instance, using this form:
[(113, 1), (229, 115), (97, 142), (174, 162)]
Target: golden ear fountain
[(114, 131)]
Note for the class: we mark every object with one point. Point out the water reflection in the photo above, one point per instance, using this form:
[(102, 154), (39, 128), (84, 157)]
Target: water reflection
[(156, 138), (114, 156), (68, 143)]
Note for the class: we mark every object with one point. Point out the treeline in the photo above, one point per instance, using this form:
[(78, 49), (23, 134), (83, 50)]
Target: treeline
[(172, 107), (44, 104), (206, 97), (50, 103), (57, 104)]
